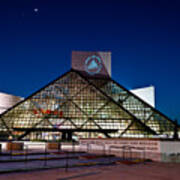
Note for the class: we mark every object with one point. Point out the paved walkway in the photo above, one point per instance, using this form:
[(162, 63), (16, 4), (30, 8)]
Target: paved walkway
[(149, 171)]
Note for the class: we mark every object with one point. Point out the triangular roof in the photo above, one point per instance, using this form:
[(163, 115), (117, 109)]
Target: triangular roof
[(79, 103)]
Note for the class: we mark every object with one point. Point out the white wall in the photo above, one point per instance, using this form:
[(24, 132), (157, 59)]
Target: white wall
[(147, 94), (7, 101)]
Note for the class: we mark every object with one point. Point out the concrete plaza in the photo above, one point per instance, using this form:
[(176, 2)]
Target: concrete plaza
[(148, 171)]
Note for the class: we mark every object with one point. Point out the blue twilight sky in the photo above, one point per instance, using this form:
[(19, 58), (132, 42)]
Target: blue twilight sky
[(37, 37)]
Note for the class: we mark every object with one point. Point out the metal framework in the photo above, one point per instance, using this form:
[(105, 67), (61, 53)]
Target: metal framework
[(85, 106)]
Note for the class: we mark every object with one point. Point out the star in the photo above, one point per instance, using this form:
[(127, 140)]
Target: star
[(36, 10)]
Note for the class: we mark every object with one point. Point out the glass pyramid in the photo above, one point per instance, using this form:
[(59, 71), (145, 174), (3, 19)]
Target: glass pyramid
[(87, 107)]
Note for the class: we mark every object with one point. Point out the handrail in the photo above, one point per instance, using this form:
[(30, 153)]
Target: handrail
[(99, 144), (126, 148)]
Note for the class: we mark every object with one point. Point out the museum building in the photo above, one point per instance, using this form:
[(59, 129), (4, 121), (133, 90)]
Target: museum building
[(85, 102)]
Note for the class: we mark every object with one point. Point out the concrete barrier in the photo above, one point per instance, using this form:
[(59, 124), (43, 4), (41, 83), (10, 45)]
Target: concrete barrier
[(143, 148)]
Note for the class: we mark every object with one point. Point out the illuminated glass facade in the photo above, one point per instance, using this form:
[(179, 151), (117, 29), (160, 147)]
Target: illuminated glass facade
[(87, 107)]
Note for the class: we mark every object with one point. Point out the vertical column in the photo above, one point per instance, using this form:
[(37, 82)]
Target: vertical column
[(69, 136), (64, 136)]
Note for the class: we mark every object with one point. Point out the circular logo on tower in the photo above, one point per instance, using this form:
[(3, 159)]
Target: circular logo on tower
[(93, 64)]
